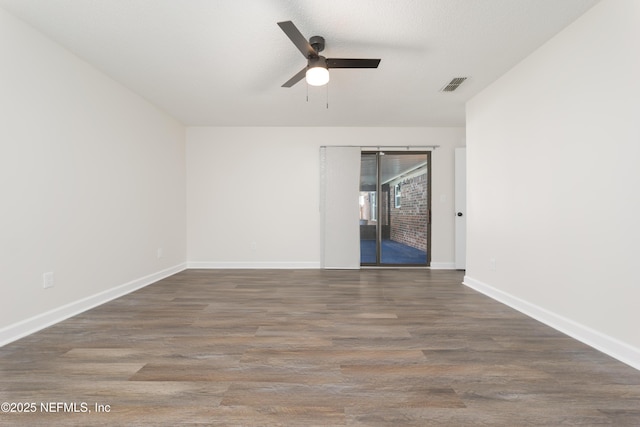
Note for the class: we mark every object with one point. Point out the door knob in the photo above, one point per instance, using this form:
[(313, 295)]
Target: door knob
[(459, 213)]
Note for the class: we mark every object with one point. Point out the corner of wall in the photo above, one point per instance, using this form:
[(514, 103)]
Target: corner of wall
[(36, 323), (604, 343)]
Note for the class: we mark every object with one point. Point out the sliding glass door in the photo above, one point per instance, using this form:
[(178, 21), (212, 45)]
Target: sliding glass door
[(395, 208)]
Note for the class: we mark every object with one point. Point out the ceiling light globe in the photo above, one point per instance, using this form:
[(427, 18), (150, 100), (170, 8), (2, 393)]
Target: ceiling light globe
[(317, 76)]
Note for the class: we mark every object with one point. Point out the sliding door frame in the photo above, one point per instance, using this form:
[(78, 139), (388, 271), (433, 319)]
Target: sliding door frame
[(379, 154)]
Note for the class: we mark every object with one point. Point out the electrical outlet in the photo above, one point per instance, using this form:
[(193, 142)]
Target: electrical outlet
[(254, 246), (159, 253), (492, 264), (47, 280)]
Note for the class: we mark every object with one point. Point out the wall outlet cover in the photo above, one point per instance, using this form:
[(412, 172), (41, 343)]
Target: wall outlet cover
[(47, 280)]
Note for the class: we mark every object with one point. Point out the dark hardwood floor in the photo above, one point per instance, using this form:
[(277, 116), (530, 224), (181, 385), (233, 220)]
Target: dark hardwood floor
[(311, 348)]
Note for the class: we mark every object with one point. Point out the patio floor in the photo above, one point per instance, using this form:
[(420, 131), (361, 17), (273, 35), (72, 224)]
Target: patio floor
[(393, 253)]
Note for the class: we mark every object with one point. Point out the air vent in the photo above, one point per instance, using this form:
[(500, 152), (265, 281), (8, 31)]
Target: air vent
[(453, 84)]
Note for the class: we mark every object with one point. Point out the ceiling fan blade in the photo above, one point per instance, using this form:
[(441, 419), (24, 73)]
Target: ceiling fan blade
[(295, 79), (298, 39), (352, 63)]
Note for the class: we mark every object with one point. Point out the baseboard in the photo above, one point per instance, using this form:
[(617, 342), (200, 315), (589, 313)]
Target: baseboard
[(252, 265), (442, 265), (611, 346), (285, 265), (34, 324)]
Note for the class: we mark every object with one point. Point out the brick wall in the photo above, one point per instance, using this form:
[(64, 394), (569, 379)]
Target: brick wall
[(409, 221)]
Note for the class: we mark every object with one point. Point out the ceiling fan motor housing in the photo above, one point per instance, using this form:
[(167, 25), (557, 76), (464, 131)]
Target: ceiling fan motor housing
[(317, 43), (319, 61)]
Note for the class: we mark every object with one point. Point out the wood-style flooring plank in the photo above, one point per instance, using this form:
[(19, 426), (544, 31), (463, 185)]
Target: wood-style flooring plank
[(312, 348)]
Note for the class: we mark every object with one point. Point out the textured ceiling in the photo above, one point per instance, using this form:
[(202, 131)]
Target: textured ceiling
[(222, 62)]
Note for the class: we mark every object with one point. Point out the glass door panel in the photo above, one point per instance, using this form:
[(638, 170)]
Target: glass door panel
[(405, 183), (395, 208)]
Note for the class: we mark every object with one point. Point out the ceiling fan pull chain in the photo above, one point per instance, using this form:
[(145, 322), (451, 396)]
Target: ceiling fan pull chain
[(327, 96), (307, 92)]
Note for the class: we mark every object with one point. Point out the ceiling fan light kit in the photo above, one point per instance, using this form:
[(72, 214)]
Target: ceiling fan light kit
[(317, 73), (317, 70)]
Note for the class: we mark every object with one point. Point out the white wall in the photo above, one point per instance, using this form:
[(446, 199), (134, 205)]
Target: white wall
[(553, 149), (253, 193), (92, 183)]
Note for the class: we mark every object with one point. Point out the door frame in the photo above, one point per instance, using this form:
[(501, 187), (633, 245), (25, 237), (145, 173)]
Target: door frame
[(460, 208), (379, 154)]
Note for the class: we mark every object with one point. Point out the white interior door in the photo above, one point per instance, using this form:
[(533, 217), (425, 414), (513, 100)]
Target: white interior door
[(461, 207), (339, 207)]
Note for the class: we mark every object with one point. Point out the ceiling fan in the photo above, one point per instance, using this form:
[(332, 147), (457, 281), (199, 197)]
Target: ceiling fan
[(317, 69)]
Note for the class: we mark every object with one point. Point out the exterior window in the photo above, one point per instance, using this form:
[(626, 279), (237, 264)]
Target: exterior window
[(397, 194)]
